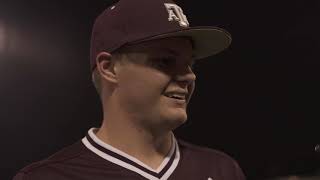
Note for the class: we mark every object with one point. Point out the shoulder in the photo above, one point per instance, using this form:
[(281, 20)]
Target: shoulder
[(48, 166), (211, 159), (202, 151)]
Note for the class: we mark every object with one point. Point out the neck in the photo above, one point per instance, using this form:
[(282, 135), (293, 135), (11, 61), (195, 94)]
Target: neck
[(121, 133)]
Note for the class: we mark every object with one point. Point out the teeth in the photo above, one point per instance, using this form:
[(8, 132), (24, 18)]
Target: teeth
[(177, 96)]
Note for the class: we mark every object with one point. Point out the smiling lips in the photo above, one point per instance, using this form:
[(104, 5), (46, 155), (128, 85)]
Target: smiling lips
[(178, 96)]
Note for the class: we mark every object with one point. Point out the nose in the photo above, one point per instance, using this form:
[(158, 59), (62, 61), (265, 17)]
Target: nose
[(185, 75)]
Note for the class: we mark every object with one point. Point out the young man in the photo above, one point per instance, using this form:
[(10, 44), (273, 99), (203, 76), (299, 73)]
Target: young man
[(142, 53)]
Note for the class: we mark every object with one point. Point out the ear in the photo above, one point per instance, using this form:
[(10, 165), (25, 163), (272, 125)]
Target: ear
[(105, 66)]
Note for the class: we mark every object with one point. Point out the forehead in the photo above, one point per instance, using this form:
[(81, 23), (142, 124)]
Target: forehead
[(175, 45)]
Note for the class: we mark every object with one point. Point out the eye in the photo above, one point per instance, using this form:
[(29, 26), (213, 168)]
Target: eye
[(163, 62), (192, 64)]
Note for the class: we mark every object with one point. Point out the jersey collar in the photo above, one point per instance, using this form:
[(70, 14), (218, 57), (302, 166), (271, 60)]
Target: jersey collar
[(118, 157)]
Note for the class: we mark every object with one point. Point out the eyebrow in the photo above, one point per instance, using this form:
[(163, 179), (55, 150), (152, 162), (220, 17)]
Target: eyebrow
[(173, 52), (170, 51)]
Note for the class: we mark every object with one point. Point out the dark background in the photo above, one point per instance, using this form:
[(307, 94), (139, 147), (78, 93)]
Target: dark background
[(258, 101)]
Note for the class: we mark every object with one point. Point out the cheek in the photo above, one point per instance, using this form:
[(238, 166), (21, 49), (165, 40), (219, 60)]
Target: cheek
[(143, 88)]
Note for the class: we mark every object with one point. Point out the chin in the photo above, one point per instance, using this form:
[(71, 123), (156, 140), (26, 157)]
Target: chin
[(175, 120)]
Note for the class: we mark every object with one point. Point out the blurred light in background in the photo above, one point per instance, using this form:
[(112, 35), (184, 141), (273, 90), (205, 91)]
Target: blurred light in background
[(37, 44)]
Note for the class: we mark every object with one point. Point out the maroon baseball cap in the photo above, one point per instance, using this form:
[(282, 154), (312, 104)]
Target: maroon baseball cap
[(134, 21)]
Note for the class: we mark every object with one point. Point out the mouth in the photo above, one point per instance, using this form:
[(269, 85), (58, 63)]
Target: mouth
[(180, 98)]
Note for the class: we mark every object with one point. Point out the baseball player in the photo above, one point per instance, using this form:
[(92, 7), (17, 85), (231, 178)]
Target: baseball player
[(142, 53)]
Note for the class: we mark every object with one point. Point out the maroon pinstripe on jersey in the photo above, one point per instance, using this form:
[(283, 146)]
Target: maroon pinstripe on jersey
[(92, 159)]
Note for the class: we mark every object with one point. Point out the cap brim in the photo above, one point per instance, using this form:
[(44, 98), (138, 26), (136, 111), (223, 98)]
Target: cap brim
[(207, 41)]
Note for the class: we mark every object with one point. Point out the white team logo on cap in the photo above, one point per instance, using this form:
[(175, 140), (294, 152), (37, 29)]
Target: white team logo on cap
[(176, 14)]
